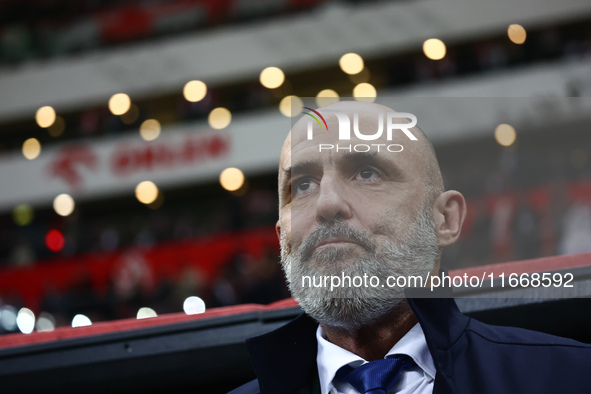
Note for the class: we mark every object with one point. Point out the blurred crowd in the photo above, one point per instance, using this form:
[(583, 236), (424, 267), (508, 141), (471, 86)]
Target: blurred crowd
[(242, 279), (109, 228)]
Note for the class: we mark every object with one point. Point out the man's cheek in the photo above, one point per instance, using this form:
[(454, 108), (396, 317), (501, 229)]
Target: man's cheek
[(295, 233), (285, 242)]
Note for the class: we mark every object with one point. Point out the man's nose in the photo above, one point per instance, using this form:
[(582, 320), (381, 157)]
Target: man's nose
[(333, 200)]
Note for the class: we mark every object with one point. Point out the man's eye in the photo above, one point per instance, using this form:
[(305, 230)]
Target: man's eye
[(303, 186), (367, 174)]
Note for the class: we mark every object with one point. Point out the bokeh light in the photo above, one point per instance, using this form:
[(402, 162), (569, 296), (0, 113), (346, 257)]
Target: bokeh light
[(194, 91), (8, 317), (516, 34), (326, 97), (81, 321), (505, 134), (54, 240), (45, 322), (145, 313), (434, 49), (193, 305), (351, 63), (63, 204), (31, 148), (365, 92), (272, 77), (25, 320), (219, 118), (146, 192), (119, 104), (291, 106), (22, 214), (150, 129), (45, 116), (231, 179)]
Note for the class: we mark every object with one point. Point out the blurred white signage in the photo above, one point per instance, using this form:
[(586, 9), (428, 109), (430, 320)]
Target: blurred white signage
[(188, 154)]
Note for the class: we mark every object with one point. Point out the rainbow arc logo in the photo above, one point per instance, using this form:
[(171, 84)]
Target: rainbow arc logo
[(315, 118)]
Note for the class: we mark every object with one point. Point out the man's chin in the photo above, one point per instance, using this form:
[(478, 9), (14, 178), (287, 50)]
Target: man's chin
[(347, 313)]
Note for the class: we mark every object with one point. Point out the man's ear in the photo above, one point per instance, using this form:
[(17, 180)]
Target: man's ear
[(449, 212), (278, 230)]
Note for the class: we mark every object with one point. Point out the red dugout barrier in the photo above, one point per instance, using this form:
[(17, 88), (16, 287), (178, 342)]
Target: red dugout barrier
[(100, 328)]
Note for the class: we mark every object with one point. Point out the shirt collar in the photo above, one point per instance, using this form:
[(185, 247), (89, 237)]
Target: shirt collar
[(330, 357)]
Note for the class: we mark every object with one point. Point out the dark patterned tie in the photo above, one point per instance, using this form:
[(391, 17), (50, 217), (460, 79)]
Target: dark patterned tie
[(375, 377)]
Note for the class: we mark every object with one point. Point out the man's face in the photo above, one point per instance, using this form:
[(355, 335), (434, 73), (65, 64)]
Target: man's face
[(352, 213)]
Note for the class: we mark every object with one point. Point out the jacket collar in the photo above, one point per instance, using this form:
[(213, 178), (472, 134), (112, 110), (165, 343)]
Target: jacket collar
[(285, 359), (439, 316), (443, 325)]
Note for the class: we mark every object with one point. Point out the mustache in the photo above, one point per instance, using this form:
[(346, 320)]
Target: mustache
[(337, 229)]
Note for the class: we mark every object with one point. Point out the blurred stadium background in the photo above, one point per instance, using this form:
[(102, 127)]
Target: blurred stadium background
[(139, 140)]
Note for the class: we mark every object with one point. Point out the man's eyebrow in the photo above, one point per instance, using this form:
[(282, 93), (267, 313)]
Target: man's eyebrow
[(302, 168), (307, 167)]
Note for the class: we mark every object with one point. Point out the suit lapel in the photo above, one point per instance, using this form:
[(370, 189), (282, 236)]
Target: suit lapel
[(285, 359)]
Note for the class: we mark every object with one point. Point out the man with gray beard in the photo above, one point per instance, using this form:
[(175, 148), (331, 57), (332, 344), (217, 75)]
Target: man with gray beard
[(355, 226), (348, 306)]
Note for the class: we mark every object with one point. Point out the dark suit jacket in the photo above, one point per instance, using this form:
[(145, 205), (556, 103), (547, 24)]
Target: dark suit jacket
[(470, 356)]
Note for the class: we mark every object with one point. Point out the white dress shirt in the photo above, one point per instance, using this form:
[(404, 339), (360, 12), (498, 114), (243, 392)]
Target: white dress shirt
[(417, 380)]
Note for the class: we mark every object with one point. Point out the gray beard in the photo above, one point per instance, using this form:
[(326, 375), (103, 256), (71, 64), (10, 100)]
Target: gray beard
[(352, 307)]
